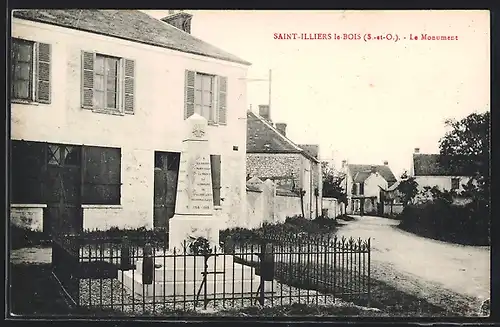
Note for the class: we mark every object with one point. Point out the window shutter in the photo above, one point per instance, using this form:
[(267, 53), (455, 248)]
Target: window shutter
[(88, 79), (222, 103), (129, 86), (43, 89), (189, 94), (215, 165)]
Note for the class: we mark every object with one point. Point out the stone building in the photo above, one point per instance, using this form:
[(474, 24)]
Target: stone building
[(98, 101), (272, 155)]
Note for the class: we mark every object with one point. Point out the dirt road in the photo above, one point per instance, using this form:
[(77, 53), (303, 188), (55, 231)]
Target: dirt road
[(454, 276)]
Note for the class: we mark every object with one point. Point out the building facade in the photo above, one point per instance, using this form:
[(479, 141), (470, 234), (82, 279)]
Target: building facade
[(365, 185), (439, 170), (98, 101), (271, 155)]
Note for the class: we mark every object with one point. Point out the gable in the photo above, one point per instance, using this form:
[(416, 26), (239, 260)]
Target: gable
[(383, 170), (262, 137)]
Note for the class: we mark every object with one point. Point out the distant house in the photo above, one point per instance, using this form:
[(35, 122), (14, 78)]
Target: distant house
[(365, 185), (441, 171), (272, 155)]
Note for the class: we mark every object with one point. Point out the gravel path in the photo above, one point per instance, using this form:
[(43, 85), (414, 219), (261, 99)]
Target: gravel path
[(454, 276), (90, 295), (31, 255)]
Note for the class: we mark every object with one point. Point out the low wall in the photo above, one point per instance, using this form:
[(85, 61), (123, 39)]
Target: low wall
[(286, 206), (332, 207), (266, 204), (28, 216)]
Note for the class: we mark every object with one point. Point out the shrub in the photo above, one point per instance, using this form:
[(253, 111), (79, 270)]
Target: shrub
[(442, 220), (296, 225), (21, 237)]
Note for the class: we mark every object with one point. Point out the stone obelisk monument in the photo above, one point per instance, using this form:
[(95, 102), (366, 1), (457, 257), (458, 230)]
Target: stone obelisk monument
[(194, 207)]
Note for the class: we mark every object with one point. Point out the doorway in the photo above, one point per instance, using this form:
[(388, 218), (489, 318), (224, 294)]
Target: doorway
[(166, 173)]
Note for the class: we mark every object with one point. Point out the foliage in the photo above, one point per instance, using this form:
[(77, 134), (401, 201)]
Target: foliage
[(199, 246), (442, 220), (469, 138), (332, 183), (408, 187), (292, 226), (21, 237), (136, 237)]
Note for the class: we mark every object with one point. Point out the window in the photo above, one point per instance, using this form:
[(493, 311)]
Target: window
[(206, 96), (27, 166), (455, 183), (108, 83), (30, 71), (215, 164), (203, 96), (354, 188), (63, 155), (101, 175), (361, 188)]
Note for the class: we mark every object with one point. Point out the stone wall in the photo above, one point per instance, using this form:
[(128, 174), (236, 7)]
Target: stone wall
[(29, 216), (332, 207), (266, 204), (275, 165)]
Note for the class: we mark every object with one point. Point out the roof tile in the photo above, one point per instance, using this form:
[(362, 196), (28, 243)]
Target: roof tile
[(132, 25)]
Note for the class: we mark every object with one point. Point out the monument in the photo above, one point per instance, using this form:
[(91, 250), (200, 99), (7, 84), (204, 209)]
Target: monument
[(176, 273), (194, 207)]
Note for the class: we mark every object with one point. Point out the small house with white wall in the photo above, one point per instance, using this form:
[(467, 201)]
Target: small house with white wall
[(98, 102), (292, 167), (364, 185), (440, 170)]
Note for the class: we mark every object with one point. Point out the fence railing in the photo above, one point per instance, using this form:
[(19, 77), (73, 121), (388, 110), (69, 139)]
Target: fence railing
[(142, 276)]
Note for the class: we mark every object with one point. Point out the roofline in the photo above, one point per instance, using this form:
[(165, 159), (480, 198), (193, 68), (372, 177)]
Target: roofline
[(299, 149), (242, 62)]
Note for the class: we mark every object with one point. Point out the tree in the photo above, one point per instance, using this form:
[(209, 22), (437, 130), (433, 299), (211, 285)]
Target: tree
[(408, 187), (332, 183), (467, 146)]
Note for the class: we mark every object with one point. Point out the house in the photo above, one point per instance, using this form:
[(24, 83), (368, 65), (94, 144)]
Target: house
[(365, 185), (272, 155), (441, 171), (98, 101)]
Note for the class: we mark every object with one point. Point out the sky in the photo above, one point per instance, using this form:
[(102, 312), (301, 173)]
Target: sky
[(364, 102)]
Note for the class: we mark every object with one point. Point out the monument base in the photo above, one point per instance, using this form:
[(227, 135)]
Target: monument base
[(183, 276), (182, 227)]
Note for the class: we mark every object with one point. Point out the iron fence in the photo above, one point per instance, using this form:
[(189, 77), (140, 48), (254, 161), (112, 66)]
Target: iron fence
[(141, 276)]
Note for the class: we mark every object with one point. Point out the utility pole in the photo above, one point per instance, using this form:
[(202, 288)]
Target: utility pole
[(270, 83)]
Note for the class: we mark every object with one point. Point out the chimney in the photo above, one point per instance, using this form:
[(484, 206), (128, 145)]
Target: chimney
[(417, 150), (344, 163), (386, 163), (373, 169), (281, 127), (179, 19), (264, 112)]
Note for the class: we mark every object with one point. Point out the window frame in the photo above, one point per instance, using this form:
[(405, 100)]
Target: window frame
[(457, 181), (212, 117), (120, 108), (32, 78)]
